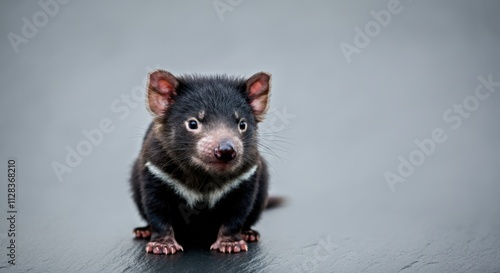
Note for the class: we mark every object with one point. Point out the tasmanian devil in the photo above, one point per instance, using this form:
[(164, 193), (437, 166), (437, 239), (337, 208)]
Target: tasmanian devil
[(199, 177)]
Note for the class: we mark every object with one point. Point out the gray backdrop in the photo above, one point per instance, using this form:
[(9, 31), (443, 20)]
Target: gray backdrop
[(355, 87)]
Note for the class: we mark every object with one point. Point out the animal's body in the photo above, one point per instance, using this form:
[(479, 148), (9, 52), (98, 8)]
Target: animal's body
[(199, 178)]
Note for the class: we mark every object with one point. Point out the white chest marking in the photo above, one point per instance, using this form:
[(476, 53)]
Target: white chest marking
[(191, 196)]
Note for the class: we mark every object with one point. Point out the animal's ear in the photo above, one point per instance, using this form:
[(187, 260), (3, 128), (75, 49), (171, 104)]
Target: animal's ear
[(161, 89), (258, 87)]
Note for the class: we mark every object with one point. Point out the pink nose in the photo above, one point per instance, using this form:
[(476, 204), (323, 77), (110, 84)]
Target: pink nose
[(225, 152)]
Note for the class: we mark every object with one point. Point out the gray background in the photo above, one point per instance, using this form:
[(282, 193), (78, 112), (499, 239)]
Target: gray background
[(335, 129)]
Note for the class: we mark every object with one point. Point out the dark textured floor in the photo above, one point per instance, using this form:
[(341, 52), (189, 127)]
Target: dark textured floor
[(338, 124)]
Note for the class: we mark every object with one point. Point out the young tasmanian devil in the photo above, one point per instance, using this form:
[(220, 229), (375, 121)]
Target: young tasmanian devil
[(199, 177)]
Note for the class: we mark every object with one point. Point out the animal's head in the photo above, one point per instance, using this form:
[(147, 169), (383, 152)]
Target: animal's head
[(209, 123)]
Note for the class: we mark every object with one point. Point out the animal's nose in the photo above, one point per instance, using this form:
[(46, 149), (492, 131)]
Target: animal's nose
[(225, 152)]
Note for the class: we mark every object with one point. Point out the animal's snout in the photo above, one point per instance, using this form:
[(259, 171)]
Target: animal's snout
[(225, 151)]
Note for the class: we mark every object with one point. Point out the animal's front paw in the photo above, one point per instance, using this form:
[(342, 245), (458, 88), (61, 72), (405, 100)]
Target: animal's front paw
[(250, 235), (166, 245), (227, 244)]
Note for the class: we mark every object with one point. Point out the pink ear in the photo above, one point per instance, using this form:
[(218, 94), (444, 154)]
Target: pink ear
[(161, 89), (258, 92)]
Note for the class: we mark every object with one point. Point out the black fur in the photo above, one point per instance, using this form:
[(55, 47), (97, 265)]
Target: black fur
[(170, 146)]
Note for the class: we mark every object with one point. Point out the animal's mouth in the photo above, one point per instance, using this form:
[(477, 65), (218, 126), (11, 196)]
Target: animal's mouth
[(221, 165), (215, 166)]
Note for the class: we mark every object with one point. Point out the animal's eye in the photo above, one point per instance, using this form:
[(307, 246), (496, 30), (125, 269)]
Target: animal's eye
[(243, 126), (192, 124)]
